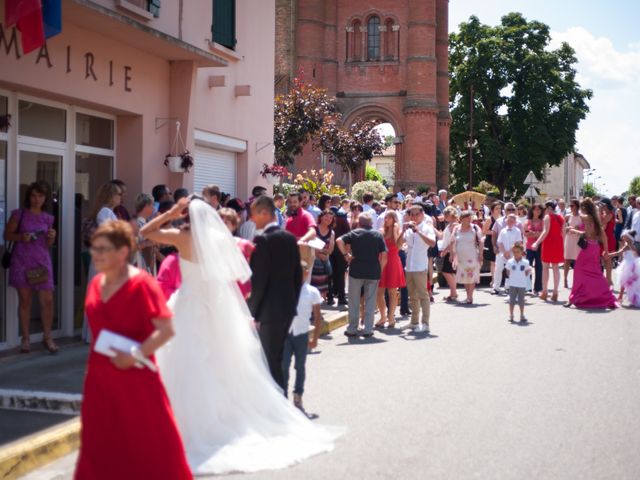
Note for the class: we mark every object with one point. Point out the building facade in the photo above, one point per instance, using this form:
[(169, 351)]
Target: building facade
[(565, 180), (385, 60), (105, 99)]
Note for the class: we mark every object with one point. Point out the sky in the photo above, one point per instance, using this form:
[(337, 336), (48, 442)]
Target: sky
[(606, 38)]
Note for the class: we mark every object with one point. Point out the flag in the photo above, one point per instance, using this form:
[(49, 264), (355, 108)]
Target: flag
[(27, 16), (14, 10), (32, 30), (52, 17)]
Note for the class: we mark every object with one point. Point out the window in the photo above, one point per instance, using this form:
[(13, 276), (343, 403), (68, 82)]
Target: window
[(356, 42), (373, 38), (224, 23), (42, 121)]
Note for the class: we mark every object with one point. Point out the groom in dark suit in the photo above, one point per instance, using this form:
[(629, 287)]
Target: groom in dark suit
[(275, 283)]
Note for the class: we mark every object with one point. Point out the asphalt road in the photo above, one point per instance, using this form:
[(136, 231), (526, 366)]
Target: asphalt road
[(558, 398)]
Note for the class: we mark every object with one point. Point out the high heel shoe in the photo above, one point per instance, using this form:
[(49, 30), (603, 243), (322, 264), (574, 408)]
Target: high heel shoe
[(50, 345), (544, 295), (554, 297)]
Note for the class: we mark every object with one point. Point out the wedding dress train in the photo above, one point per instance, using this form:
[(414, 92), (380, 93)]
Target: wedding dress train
[(232, 415)]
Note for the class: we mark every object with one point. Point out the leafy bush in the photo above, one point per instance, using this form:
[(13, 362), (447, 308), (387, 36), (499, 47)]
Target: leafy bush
[(376, 188), (372, 173)]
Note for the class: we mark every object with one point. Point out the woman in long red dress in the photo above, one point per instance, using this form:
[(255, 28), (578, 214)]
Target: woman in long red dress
[(392, 276), (552, 253), (128, 429), (590, 288)]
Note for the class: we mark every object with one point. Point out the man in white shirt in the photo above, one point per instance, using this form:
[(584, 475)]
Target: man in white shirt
[(419, 236), (635, 217), (506, 240), (297, 343), (499, 224)]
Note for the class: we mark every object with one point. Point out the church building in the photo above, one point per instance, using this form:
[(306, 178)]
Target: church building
[(384, 60)]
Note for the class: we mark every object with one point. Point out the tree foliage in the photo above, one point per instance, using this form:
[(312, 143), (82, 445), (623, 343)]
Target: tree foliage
[(298, 116), (527, 103), (634, 186), (351, 146), (307, 114), (372, 173), (589, 190)]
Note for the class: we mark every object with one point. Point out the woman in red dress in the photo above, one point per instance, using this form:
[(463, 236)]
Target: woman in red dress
[(552, 253), (392, 276), (128, 429)]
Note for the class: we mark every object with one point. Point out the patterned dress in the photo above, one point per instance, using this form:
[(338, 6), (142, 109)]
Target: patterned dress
[(468, 246), (29, 255)]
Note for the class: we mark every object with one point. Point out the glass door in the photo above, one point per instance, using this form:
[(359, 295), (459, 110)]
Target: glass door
[(3, 221), (40, 163)]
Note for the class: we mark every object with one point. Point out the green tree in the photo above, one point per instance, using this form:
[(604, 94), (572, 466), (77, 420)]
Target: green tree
[(372, 173), (588, 190), (298, 116), (527, 103), (634, 186)]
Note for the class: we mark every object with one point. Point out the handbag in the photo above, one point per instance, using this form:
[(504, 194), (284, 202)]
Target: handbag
[(6, 256), (582, 241), (38, 275)]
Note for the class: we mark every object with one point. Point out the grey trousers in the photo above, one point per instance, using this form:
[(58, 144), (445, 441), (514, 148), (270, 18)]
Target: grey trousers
[(355, 287)]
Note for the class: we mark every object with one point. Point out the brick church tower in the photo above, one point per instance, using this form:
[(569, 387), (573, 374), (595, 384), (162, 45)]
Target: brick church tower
[(384, 60)]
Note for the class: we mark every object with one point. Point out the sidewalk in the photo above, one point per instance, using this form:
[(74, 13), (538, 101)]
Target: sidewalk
[(40, 397)]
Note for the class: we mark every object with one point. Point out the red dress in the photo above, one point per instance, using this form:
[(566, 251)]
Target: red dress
[(392, 275), (128, 429), (609, 230), (553, 244)]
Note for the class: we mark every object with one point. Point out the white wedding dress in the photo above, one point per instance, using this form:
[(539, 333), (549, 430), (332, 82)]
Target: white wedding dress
[(232, 415)]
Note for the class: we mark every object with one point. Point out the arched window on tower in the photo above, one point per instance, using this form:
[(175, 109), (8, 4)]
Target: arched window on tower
[(356, 41), (373, 39), (390, 41)]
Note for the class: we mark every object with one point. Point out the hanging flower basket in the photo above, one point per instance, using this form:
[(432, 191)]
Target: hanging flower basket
[(178, 163)]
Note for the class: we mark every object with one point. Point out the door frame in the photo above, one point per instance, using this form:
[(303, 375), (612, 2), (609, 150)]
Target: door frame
[(64, 238)]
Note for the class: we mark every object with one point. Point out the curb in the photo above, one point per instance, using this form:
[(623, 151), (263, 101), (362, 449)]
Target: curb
[(333, 321), (29, 453)]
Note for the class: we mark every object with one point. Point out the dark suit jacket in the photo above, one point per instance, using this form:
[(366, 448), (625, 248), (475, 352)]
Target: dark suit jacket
[(276, 277)]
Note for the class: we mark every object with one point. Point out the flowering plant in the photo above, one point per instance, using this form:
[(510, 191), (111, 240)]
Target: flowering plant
[(186, 160), (317, 182), (275, 170)]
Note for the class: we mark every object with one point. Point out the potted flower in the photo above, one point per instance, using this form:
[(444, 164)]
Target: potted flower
[(179, 163), (273, 172)]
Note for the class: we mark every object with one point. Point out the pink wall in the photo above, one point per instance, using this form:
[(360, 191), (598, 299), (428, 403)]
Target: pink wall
[(250, 118), (162, 89)]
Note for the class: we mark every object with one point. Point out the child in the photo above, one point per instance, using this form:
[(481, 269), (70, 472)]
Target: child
[(628, 272), (518, 269), (297, 342)]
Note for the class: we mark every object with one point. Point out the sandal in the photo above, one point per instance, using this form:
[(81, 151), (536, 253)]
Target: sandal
[(50, 345), (450, 298), (391, 325), (554, 297), (544, 295), (25, 347), (379, 325)]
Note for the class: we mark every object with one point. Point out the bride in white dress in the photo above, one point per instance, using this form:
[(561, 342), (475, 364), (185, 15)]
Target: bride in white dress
[(232, 416)]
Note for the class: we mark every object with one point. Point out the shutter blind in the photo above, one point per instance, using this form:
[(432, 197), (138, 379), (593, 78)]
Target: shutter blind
[(224, 22), (215, 167)]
